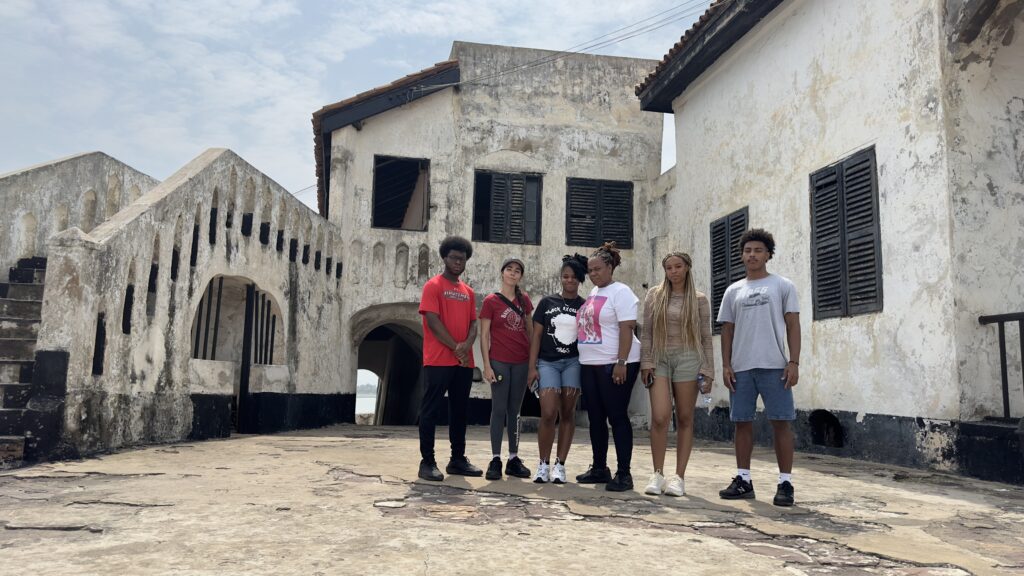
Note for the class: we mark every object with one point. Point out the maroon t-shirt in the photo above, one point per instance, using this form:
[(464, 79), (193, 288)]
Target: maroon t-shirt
[(509, 343)]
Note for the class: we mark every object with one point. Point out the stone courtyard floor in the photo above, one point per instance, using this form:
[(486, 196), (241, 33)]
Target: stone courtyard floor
[(345, 500)]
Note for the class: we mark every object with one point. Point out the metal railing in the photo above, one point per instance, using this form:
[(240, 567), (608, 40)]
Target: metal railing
[(1001, 320)]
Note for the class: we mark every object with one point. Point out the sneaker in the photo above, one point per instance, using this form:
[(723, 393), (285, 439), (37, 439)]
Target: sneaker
[(462, 467), (784, 494), (515, 467), (558, 474), (494, 469), (543, 474), (656, 486), (675, 486), (595, 476), (429, 471), (620, 483), (739, 489)]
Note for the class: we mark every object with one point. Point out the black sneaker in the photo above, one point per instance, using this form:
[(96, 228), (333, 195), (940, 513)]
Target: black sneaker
[(515, 467), (784, 494), (620, 483), (494, 469), (738, 490), (462, 467), (595, 476), (429, 471)]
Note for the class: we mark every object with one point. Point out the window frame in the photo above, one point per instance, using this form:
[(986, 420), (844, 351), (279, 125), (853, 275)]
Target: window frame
[(425, 165), (599, 234), (505, 236), (863, 240)]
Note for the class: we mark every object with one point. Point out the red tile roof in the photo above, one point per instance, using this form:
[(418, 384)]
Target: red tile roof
[(715, 7)]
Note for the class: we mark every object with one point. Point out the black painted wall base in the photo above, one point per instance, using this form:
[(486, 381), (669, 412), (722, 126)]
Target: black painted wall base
[(267, 412), (982, 450), (211, 416)]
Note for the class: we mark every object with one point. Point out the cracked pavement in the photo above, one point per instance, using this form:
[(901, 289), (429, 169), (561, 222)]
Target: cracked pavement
[(345, 500)]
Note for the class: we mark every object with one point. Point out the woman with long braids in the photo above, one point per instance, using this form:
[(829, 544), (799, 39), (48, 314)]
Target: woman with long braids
[(675, 350), (610, 359), (555, 366), (505, 346)]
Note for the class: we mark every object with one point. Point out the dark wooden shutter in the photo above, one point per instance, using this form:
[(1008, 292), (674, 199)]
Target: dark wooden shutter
[(719, 265), (616, 206), (737, 226), (581, 212), (863, 246), (826, 245), (531, 210), (500, 186), (515, 232)]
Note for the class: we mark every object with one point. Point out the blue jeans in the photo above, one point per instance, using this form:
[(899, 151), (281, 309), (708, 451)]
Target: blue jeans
[(768, 383), (558, 374)]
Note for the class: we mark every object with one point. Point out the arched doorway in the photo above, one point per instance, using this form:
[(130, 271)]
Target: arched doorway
[(388, 341), (394, 353)]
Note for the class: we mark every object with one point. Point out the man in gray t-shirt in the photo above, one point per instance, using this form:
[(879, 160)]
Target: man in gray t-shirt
[(760, 318)]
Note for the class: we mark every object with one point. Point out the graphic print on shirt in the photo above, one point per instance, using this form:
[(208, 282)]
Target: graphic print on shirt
[(513, 321), (563, 331), (588, 320), (751, 297), (455, 295)]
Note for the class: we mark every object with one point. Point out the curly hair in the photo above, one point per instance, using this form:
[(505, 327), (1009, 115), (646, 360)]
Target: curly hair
[(457, 243), (759, 235), (609, 254), (577, 263)]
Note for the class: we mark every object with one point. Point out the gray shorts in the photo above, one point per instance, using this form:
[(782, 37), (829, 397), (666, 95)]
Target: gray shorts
[(678, 365)]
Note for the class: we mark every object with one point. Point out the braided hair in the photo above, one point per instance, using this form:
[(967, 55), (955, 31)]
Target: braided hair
[(609, 254)]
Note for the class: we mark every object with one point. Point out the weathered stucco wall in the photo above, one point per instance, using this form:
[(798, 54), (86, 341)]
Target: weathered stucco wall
[(575, 118), (984, 91), (82, 190), (144, 393), (811, 84)]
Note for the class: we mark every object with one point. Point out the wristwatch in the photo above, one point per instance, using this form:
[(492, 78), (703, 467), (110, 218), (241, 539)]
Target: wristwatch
[(621, 361)]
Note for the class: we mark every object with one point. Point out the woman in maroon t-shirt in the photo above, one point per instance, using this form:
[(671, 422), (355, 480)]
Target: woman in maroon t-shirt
[(505, 346)]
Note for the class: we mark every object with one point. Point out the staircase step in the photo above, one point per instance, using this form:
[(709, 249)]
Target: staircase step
[(21, 291), (26, 275), (19, 349), (13, 421), (23, 309), (38, 262), (19, 328), (12, 450), (15, 395), (16, 371)]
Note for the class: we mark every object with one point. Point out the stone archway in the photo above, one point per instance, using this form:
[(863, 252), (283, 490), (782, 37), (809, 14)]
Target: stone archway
[(389, 342)]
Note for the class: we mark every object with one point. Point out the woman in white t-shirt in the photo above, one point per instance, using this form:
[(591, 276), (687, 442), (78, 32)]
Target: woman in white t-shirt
[(610, 362)]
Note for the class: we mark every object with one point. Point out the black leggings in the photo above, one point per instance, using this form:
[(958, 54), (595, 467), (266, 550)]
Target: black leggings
[(608, 402)]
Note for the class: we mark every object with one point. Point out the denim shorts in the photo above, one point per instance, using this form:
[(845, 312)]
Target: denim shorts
[(768, 383), (678, 365), (558, 374)]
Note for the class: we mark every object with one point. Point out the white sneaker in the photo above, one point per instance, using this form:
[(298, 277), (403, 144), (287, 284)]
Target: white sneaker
[(656, 486), (558, 473), (542, 474), (675, 486)]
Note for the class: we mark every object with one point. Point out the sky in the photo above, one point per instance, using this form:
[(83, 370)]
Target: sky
[(154, 83)]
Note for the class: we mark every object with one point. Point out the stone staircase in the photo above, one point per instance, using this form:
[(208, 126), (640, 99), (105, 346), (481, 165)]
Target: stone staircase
[(20, 312)]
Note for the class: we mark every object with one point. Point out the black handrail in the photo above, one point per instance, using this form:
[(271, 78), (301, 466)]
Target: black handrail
[(1001, 320)]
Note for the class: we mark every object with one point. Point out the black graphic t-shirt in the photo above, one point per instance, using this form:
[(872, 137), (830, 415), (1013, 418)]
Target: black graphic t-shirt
[(558, 317)]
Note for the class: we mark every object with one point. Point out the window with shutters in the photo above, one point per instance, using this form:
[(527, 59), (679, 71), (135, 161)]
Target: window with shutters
[(726, 258), (400, 193), (506, 208), (846, 252), (598, 211)]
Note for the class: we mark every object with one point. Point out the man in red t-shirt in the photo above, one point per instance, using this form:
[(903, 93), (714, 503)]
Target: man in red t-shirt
[(448, 307)]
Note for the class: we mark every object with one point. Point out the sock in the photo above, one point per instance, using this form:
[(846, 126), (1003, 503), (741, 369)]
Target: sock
[(512, 455), (784, 477), (743, 473), (498, 456), (557, 461), (544, 462)]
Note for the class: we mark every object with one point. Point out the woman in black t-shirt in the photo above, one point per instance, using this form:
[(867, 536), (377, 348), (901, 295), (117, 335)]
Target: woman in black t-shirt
[(555, 367)]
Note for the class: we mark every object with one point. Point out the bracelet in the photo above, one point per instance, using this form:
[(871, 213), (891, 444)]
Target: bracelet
[(794, 362)]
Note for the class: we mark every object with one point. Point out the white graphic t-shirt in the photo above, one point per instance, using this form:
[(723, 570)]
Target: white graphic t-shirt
[(597, 324)]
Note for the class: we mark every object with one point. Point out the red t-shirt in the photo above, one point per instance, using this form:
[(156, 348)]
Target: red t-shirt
[(455, 303), (509, 343)]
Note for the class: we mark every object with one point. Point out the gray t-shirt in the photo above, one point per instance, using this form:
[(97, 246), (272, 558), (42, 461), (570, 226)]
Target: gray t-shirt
[(758, 309)]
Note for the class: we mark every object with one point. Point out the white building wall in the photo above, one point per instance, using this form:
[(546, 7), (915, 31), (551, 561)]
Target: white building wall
[(811, 84)]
